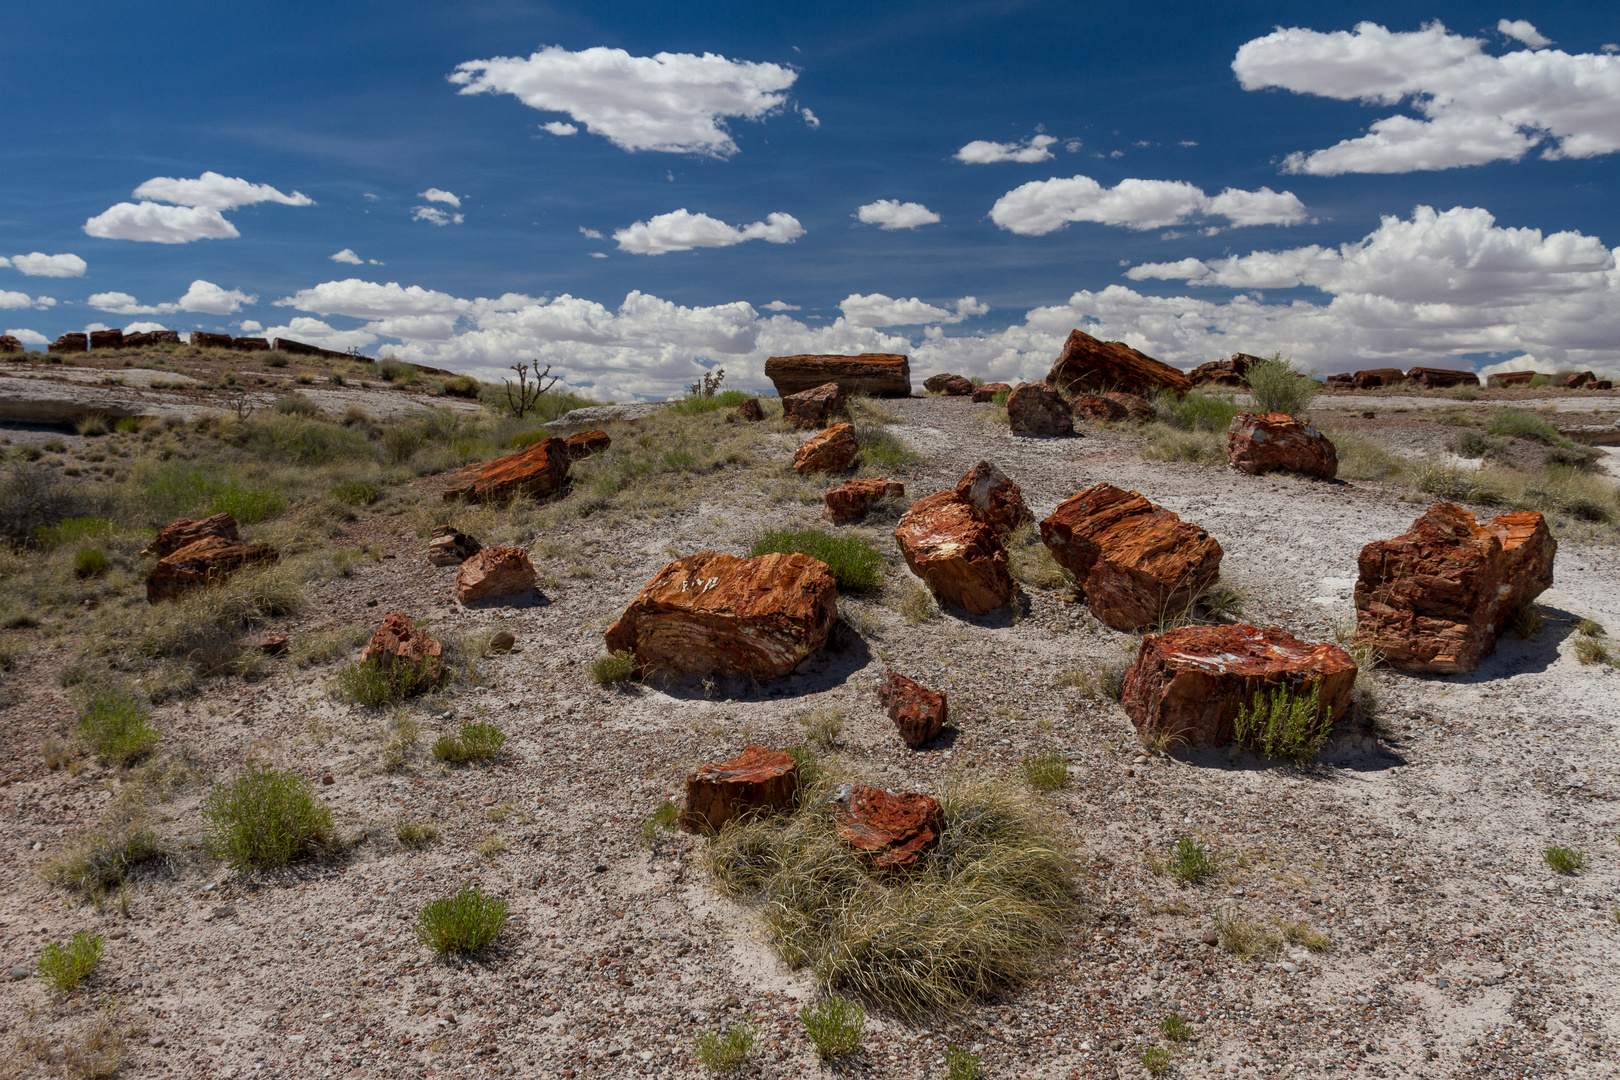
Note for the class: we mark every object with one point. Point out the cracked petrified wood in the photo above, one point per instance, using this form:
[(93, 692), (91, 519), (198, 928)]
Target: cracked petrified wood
[(813, 408), (493, 572), (539, 471), (997, 501), (1139, 564), (755, 781), (1089, 365), (877, 374), (1435, 598), (177, 534), (1039, 409), (851, 500), (918, 712), (717, 614), (400, 641), (201, 563), (892, 830), (1267, 442), (448, 547), (583, 444), (1187, 684), (832, 451), (955, 553)]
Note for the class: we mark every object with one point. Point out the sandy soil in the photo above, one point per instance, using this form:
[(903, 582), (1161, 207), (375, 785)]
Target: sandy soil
[(1457, 951)]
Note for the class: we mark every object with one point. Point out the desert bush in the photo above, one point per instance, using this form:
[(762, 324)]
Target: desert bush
[(961, 1064), (835, 1025), (67, 965), (114, 725), (201, 625), (356, 493), (74, 530), (1564, 860), (321, 646), (719, 1053), (377, 682), (275, 358), (265, 818), (89, 562), (613, 668), (1298, 933), (1471, 444), (1176, 1029), (984, 910), (1195, 410), (301, 440), (92, 425), (1365, 459), (100, 859), (475, 742), (462, 386), (295, 404), (1046, 771), (698, 404), (823, 726), (1190, 862), (856, 565), (33, 498), (1156, 1060), (177, 489), (882, 449), (1281, 723), (1275, 386), (1575, 456), (1524, 424), (1169, 443), (463, 923), (390, 369)]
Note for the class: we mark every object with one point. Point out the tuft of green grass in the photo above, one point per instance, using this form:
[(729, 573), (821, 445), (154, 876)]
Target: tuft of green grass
[(1030, 562), (1195, 410), (882, 449), (1156, 1060), (1527, 620), (475, 742), (376, 683), (917, 605), (823, 726), (1524, 424), (698, 404), (463, 923), (835, 1025), (856, 565), (356, 493), (662, 819), (114, 726), (101, 859), (959, 1063), (265, 818), (1169, 443), (612, 669), (1046, 771), (720, 1053), (1190, 862), (1298, 933), (1276, 386), (1176, 1029), (1564, 860), (1280, 723), (416, 834), (68, 965), (89, 562)]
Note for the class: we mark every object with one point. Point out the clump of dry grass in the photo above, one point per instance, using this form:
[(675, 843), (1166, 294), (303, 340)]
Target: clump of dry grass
[(984, 910), (1031, 562), (102, 858), (1246, 938)]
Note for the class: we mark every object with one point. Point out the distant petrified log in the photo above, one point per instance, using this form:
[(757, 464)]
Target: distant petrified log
[(539, 471), (815, 407), (1087, 365), (989, 390), (70, 343), (1373, 378), (250, 344), (877, 374), (448, 547), (106, 339), (9, 344), (1435, 378), (949, 385), (203, 339), (582, 444), (751, 411)]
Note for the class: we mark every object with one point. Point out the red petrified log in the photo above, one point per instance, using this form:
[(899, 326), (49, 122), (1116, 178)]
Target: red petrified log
[(70, 343), (957, 554), (832, 451), (1087, 364), (851, 500), (1376, 377), (539, 471), (106, 339), (751, 411), (949, 385), (893, 830), (754, 781), (878, 374), (204, 339), (1264, 442), (495, 571), (399, 640), (989, 390), (995, 499), (919, 713), (583, 444), (815, 407), (1038, 409), (1188, 683), (202, 562), (1437, 377), (177, 534), (448, 547), (8, 344)]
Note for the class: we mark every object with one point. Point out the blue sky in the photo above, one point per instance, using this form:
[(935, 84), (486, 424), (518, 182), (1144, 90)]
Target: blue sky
[(1352, 184)]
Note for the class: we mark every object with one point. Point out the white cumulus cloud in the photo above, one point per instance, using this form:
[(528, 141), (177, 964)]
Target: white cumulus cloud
[(158, 224), (202, 296), (893, 214), (876, 309), (39, 264), (1472, 107), (316, 332), (675, 102), (347, 255), (782, 305), (1044, 206), (1522, 31), (370, 300), (216, 192), (433, 194), (683, 231), (558, 127), (10, 299), (982, 152), (434, 216), (247, 326), (28, 337), (810, 120)]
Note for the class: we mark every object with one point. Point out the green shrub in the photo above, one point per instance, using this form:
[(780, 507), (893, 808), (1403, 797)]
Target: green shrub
[(835, 1025), (127, 425), (356, 493), (66, 966), (301, 440), (1195, 410), (1046, 771), (416, 834), (664, 818), (462, 386), (178, 490), (719, 1053), (265, 818), (856, 565), (94, 424), (100, 859), (697, 404), (1523, 424), (1176, 1029), (1190, 862), (275, 358), (1156, 1060), (35, 498), (1282, 724), (376, 683), (114, 725), (882, 449), (295, 404), (476, 742), (1564, 860), (999, 399), (72, 530), (1575, 456), (463, 923), (90, 562), (1276, 387), (962, 1065), (613, 668), (390, 369)]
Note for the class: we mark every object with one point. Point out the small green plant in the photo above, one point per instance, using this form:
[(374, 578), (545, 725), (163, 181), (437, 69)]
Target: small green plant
[(1564, 860), (1527, 620), (1046, 771), (612, 669), (719, 1053), (1156, 1060), (882, 449), (1104, 680), (356, 493), (295, 404), (917, 605), (1195, 410), (1176, 1029), (835, 1025), (1190, 862), (463, 923), (90, 562), (475, 742), (376, 682), (115, 727), (99, 860), (1523, 424), (856, 565), (959, 1063), (823, 726), (1590, 650), (416, 834), (1283, 724), (265, 818), (1276, 387), (66, 966), (662, 819)]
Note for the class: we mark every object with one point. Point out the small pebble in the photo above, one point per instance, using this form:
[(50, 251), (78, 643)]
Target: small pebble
[(19, 973), (328, 778)]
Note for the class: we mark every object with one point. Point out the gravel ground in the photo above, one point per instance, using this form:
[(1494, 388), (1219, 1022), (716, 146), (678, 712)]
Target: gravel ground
[(1456, 951)]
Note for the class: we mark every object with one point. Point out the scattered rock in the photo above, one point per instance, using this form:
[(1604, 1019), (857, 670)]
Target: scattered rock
[(1089, 365), (877, 374), (251, 344), (9, 344), (892, 829), (989, 390), (1373, 378), (1090, 407), (949, 385), (1578, 380), (539, 471), (754, 781), (204, 340), (1435, 598), (1139, 564), (202, 562), (995, 499), (851, 500), (1265, 442), (1038, 409), (400, 641), (328, 778), (955, 553), (1342, 381), (177, 534), (106, 339), (267, 643), (447, 547), (813, 408), (832, 451), (919, 713), (717, 614), (1511, 378), (495, 571), (70, 343), (1434, 378), (503, 642), (19, 973), (1188, 682), (583, 444), (1230, 372), (751, 411)]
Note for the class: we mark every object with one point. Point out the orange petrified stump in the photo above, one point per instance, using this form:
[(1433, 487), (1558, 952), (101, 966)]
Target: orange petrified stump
[(755, 781), (1266, 442), (918, 712), (893, 830)]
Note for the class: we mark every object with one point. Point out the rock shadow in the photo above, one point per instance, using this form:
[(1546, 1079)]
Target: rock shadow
[(845, 653), (1008, 614), (1517, 656), (532, 598)]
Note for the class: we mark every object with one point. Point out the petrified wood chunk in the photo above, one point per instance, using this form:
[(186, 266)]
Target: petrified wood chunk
[(851, 500), (717, 614), (955, 553), (1089, 365), (996, 500), (1188, 683), (495, 571), (538, 471), (70, 343), (1264, 442), (1373, 378), (1095, 407), (203, 339), (1139, 564), (751, 411), (832, 451), (10, 344), (754, 781), (877, 374), (918, 713), (250, 344), (582, 444), (177, 534), (400, 641), (1038, 409), (106, 339), (989, 390), (815, 407), (202, 562), (1434, 378), (893, 830), (1137, 409), (949, 385), (447, 547)]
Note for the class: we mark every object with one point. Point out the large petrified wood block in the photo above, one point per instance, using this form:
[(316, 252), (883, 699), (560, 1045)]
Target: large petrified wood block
[(755, 781), (955, 553)]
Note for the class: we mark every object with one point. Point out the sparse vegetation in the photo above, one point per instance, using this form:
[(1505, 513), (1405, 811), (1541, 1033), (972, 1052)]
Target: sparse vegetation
[(721, 1053), (464, 923), (959, 1063), (1189, 862), (1589, 646), (1298, 933), (1195, 410), (917, 605), (855, 564), (67, 965), (265, 818), (1176, 1029), (835, 1025), (90, 562), (1564, 860), (823, 726), (475, 742), (416, 834), (1046, 771), (883, 450), (612, 669), (1156, 1060), (1245, 938), (1101, 680), (661, 820), (1275, 386), (101, 859), (1523, 424), (356, 493), (1030, 561), (377, 682), (1283, 723), (114, 725), (1527, 620)]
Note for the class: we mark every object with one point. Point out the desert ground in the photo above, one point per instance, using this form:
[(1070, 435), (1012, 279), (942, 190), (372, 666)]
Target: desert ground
[(1427, 936)]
